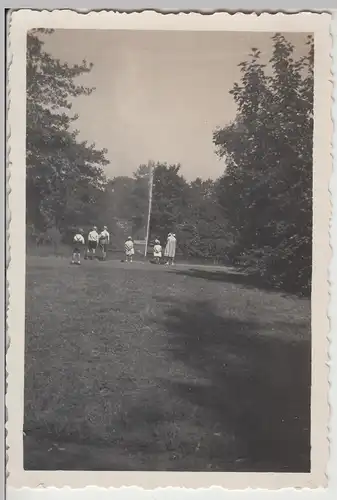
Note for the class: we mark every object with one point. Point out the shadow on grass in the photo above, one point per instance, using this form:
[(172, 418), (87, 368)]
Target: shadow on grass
[(238, 278), (249, 389), (258, 385)]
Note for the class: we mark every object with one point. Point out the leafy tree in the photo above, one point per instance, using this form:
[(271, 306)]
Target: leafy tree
[(203, 232), (266, 191), (65, 177), (119, 195), (169, 202), (126, 204), (140, 198)]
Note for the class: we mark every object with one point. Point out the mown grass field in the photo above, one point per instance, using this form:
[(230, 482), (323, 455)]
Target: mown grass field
[(141, 367)]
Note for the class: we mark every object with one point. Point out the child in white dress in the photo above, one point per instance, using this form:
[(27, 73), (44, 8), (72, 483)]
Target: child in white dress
[(129, 249), (157, 251)]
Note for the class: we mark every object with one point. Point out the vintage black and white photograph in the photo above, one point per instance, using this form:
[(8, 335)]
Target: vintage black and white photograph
[(169, 250)]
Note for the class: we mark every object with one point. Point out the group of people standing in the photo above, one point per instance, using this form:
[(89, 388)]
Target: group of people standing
[(95, 241), (169, 251), (101, 240)]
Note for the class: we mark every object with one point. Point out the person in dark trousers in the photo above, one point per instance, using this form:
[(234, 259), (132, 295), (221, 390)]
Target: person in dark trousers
[(78, 242), (93, 238)]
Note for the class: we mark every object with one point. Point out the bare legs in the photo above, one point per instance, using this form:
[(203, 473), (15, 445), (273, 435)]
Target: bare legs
[(76, 258)]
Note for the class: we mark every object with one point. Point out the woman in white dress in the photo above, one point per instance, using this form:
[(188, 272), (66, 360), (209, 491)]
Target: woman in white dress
[(170, 249)]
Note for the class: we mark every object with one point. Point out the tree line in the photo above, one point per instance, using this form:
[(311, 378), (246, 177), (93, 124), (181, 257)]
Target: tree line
[(257, 215)]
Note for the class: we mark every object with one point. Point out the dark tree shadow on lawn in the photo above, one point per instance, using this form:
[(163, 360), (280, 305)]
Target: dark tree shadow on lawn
[(258, 385), (237, 278)]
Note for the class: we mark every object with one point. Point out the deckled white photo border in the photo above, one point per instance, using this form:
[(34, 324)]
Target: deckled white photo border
[(21, 22)]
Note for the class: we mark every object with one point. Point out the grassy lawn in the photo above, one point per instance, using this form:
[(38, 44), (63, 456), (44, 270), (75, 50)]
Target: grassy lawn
[(140, 367)]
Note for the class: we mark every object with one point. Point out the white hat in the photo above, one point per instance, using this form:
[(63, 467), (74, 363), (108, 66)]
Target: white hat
[(129, 238), (157, 241), (105, 227)]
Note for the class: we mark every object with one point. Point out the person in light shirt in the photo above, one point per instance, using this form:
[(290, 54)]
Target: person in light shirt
[(104, 239), (93, 238), (78, 242), (129, 249)]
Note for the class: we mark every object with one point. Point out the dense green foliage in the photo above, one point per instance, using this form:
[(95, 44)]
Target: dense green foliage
[(203, 232), (65, 176), (266, 191), (189, 209), (169, 200)]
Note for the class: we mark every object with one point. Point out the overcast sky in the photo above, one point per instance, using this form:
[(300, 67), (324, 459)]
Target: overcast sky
[(159, 95)]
